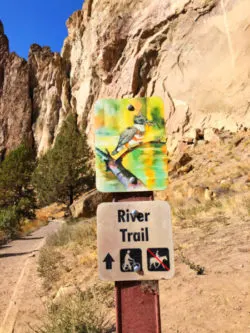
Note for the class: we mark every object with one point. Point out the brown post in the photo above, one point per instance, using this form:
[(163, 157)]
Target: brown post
[(137, 302)]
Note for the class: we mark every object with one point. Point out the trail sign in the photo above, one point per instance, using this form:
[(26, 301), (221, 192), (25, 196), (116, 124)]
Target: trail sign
[(135, 241), (130, 145)]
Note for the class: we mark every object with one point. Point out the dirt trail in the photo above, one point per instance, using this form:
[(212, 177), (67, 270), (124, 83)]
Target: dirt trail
[(17, 267)]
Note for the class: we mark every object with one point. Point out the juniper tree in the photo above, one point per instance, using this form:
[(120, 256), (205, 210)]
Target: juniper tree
[(65, 171), (17, 199)]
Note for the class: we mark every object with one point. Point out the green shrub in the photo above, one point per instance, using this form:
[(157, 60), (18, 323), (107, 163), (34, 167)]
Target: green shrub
[(9, 220), (17, 199)]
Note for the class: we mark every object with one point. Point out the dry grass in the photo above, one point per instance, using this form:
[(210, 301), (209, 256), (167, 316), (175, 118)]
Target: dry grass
[(78, 240), (223, 169), (43, 215), (28, 226), (52, 211), (237, 205), (83, 234), (246, 203), (220, 212), (48, 265), (80, 313), (191, 212), (70, 257)]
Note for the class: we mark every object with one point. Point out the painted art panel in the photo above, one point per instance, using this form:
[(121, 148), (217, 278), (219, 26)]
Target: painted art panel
[(130, 145)]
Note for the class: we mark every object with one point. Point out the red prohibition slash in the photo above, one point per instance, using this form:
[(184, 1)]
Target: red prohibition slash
[(152, 254)]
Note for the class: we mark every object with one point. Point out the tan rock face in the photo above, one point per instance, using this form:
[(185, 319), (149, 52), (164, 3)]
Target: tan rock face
[(194, 54), (50, 90), (86, 205), (4, 45), (15, 104), (4, 52), (34, 96)]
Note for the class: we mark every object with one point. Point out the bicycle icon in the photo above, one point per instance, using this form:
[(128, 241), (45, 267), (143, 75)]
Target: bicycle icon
[(131, 260), (133, 266)]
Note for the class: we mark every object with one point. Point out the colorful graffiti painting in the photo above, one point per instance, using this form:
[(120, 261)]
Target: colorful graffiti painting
[(130, 145)]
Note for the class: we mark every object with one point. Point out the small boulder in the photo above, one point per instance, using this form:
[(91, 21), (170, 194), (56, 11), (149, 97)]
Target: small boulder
[(86, 205), (181, 161), (212, 135), (200, 193), (188, 140), (185, 169), (194, 135), (209, 194), (182, 147)]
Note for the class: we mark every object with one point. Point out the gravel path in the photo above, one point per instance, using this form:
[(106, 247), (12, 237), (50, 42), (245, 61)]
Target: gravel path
[(17, 260)]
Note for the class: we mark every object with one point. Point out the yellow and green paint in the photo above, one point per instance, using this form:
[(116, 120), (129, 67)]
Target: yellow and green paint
[(125, 161)]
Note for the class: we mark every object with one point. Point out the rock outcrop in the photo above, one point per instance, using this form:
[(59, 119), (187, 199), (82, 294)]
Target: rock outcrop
[(4, 51), (194, 54), (34, 96), (15, 102), (50, 93), (86, 205)]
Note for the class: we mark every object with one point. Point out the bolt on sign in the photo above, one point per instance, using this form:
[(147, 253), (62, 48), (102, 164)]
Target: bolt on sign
[(135, 241), (130, 145)]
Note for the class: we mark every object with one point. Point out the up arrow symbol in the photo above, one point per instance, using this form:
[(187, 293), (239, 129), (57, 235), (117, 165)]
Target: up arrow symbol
[(108, 259)]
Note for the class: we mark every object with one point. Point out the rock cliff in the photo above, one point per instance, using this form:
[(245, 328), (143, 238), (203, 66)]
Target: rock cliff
[(192, 53), (34, 96), (15, 102), (50, 93)]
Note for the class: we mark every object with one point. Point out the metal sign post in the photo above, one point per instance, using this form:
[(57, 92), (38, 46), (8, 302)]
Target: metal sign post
[(134, 235), (137, 303)]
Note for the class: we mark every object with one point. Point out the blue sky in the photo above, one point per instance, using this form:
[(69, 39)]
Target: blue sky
[(36, 21)]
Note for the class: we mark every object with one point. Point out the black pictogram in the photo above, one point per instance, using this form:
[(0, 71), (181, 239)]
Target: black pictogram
[(108, 260), (158, 259), (131, 260)]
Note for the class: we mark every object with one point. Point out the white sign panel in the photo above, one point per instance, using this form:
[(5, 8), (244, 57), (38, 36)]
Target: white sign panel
[(135, 241)]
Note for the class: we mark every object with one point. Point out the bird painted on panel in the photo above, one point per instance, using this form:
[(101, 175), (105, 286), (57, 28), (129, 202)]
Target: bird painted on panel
[(132, 135)]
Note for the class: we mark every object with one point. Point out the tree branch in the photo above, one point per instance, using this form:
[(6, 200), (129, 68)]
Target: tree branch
[(124, 176)]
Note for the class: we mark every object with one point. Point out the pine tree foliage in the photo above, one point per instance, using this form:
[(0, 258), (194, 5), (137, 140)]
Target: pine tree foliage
[(65, 171), (17, 199)]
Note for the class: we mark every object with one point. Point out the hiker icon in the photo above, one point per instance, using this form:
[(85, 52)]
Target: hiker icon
[(158, 259), (131, 260)]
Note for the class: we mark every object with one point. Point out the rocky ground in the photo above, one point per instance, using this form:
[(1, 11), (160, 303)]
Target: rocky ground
[(210, 196)]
